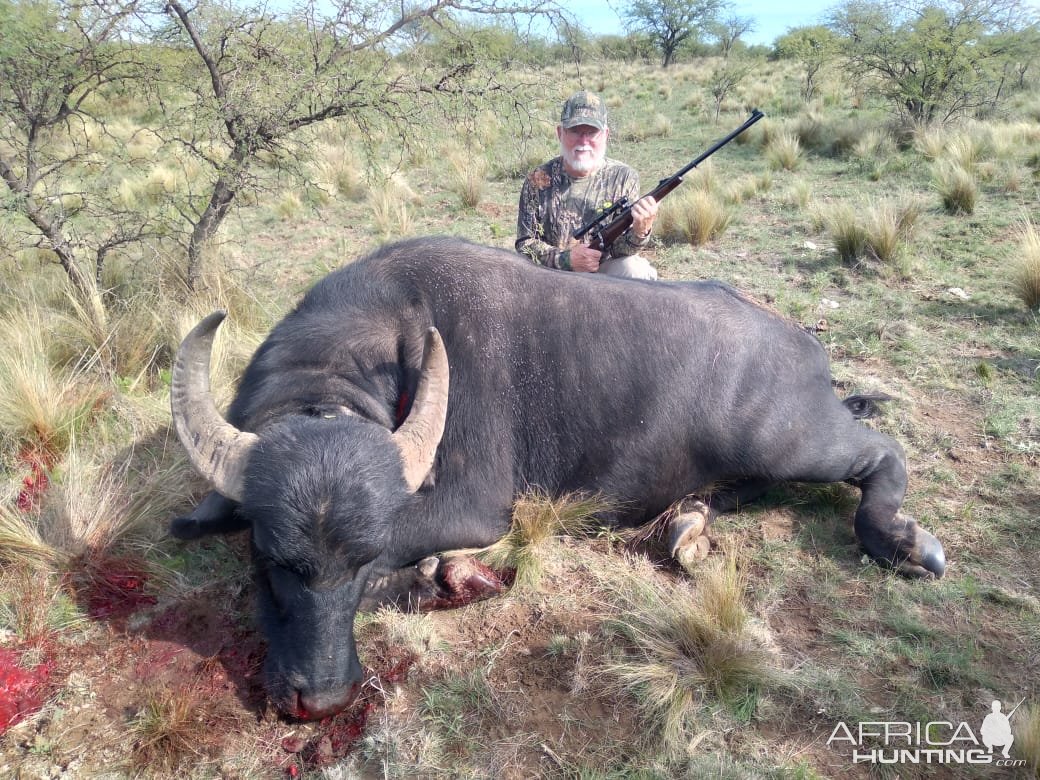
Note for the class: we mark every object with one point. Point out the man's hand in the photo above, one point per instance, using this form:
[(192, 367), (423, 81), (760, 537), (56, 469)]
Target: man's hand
[(584, 259), (644, 212)]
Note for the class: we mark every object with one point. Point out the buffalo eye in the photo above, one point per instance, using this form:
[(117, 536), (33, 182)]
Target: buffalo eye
[(281, 586)]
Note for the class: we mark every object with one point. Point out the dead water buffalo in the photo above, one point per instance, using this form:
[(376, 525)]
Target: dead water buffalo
[(411, 395)]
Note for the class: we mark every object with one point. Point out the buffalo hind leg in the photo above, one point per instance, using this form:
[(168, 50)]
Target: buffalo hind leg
[(874, 463), (890, 537)]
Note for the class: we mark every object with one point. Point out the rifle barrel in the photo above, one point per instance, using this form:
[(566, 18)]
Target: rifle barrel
[(612, 230), (755, 116)]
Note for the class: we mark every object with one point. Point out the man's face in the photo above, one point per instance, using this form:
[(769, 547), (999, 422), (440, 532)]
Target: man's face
[(583, 148)]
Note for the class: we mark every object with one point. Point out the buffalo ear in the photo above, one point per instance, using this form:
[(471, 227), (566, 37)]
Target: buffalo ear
[(215, 514)]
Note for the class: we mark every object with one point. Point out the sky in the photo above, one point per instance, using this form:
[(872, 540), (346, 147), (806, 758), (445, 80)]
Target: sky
[(772, 18)]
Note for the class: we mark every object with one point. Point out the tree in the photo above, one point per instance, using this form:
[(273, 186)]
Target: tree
[(934, 59), (672, 23), (58, 62), (726, 77), (727, 31), (256, 80), (813, 47)]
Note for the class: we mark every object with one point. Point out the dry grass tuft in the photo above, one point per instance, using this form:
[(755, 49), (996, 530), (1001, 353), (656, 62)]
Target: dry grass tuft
[(799, 193), (339, 170), (41, 406), (37, 607), (889, 226), (289, 206), (537, 521), (784, 151), (685, 645), (468, 178), (846, 232), (659, 126), (956, 186), (21, 544), (87, 510), (1026, 728), (930, 140), (174, 726), (390, 213), (880, 231), (694, 217), (95, 507), (1026, 278), (966, 149)]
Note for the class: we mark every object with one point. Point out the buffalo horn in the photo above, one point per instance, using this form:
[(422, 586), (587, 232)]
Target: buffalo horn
[(419, 435), (217, 449)]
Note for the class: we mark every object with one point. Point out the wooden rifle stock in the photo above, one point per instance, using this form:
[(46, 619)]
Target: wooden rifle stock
[(605, 230)]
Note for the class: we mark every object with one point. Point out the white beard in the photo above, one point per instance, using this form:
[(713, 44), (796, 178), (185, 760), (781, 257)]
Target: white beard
[(582, 159)]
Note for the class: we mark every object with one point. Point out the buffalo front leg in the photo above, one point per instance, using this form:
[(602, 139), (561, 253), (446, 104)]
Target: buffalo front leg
[(688, 539), (687, 531)]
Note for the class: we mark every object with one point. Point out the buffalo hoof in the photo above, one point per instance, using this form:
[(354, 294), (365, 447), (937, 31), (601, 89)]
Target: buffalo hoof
[(185, 528), (921, 557), (693, 553), (926, 558), (446, 583), (688, 539)]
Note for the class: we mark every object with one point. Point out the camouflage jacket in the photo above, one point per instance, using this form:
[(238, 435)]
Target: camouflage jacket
[(553, 205)]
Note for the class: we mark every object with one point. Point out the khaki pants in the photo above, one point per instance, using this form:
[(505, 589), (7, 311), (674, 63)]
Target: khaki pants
[(631, 267)]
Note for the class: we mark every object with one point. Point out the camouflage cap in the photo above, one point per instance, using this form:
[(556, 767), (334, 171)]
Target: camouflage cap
[(584, 108)]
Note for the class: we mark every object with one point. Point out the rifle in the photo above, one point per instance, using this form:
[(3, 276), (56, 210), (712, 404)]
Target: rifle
[(604, 232)]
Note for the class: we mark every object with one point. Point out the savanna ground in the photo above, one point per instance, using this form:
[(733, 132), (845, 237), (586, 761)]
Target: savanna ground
[(127, 654)]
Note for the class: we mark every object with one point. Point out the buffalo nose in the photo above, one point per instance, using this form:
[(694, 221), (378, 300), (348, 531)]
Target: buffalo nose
[(315, 705)]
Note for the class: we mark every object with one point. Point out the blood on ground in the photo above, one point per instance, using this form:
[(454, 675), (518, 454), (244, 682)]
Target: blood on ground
[(337, 735), (110, 587), (22, 690)]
